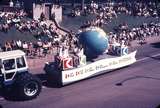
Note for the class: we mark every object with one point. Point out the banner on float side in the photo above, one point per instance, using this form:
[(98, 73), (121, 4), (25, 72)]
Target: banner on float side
[(91, 69)]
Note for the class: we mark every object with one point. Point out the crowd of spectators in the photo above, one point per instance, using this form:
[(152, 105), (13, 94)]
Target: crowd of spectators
[(40, 29), (41, 48), (106, 11), (37, 28), (32, 49), (22, 24), (56, 40), (123, 32), (9, 19)]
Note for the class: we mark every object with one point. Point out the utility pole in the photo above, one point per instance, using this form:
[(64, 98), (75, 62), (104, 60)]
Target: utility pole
[(73, 3), (82, 5)]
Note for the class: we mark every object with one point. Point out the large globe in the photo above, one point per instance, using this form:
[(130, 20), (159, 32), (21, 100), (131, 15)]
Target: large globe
[(94, 41)]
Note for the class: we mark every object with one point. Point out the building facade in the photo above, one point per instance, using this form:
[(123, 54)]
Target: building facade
[(49, 11)]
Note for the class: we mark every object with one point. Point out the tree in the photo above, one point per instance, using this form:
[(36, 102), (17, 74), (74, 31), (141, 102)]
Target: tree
[(4, 2)]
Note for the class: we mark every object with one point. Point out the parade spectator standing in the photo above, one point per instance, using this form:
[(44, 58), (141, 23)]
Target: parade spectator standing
[(19, 44), (39, 49), (7, 46), (1, 49), (11, 4), (45, 48), (25, 47)]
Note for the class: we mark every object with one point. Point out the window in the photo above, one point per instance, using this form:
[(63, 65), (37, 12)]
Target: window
[(9, 64), (20, 62)]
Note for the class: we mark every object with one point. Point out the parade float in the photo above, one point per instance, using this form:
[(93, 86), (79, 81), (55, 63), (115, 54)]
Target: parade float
[(96, 56)]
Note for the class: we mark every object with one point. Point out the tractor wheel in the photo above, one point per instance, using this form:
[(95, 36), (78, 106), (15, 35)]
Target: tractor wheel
[(27, 86)]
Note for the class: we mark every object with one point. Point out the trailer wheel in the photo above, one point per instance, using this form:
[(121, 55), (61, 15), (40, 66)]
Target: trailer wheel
[(28, 86)]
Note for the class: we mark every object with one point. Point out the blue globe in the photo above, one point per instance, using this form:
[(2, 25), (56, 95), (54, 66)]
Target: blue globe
[(94, 41)]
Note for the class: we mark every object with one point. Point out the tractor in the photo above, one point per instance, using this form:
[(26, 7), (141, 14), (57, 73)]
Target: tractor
[(15, 77)]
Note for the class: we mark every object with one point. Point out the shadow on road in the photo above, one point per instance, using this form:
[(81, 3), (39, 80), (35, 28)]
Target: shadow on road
[(156, 45), (43, 78), (121, 83), (155, 58), (1, 106), (10, 96), (158, 106)]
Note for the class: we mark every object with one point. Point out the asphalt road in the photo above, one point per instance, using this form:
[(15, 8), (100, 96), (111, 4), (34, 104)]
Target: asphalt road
[(136, 86)]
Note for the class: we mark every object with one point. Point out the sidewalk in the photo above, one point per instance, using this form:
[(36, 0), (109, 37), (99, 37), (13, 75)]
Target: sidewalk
[(135, 44), (39, 62), (149, 40)]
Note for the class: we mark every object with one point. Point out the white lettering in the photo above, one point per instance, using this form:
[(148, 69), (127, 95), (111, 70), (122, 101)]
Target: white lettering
[(95, 67)]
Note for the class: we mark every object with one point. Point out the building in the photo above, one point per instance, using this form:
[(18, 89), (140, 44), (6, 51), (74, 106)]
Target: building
[(49, 10)]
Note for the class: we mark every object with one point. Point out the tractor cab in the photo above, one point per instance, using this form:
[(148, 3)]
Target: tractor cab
[(14, 74)]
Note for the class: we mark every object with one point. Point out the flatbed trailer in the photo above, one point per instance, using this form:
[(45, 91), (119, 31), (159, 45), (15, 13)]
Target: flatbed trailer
[(102, 64)]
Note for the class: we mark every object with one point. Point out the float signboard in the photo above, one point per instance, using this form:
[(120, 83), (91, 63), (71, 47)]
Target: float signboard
[(69, 76)]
